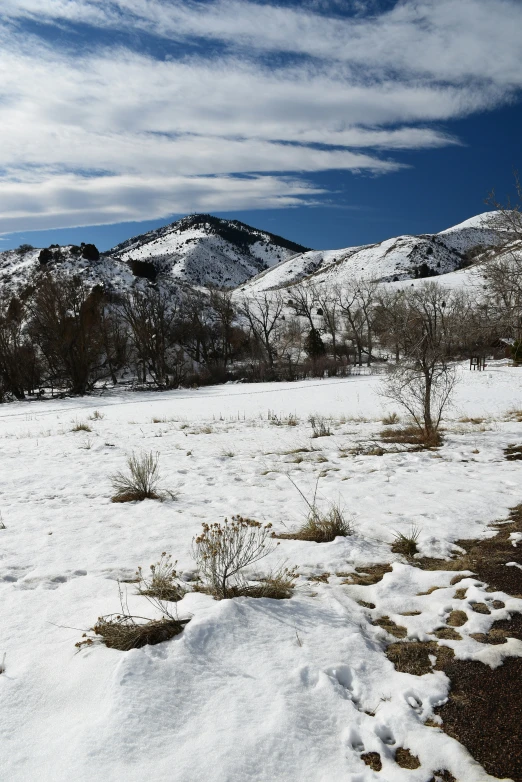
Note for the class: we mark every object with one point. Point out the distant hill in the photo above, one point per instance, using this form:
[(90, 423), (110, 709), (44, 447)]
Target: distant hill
[(202, 250)]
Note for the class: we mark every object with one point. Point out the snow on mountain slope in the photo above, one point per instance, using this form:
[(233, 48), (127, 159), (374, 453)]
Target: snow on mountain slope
[(205, 250), (400, 258), (202, 250)]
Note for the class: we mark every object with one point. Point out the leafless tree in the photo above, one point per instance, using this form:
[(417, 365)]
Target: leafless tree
[(152, 319), (263, 314)]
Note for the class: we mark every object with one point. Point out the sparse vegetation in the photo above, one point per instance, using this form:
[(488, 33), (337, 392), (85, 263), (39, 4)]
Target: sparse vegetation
[(141, 482), (320, 526), (390, 419), (126, 632)]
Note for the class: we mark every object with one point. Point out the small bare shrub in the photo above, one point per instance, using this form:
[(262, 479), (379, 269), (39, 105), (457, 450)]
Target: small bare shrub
[(141, 482), (390, 419), (161, 584), (81, 426), (406, 544), (96, 416), (320, 428), (222, 551)]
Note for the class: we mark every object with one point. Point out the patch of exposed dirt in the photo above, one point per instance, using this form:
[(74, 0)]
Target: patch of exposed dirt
[(414, 656), (484, 712), (372, 759), (368, 575), (405, 759), (389, 625), (513, 453), (487, 558)]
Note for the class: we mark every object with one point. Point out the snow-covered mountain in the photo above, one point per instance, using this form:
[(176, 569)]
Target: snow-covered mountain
[(206, 250), (202, 250), (400, 258)]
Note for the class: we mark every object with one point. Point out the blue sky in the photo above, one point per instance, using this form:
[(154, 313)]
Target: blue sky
[(331, 123)]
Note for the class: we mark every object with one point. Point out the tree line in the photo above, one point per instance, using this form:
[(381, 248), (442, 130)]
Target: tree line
[(64, 335)]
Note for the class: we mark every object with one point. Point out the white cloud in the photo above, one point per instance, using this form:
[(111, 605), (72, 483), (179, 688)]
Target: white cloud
[(164, 136)]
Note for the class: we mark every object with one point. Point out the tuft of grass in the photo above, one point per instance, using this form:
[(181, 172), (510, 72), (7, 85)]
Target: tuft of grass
[(81, 426), (319, 526), (96, 416), (406, 544), (412, 435), (141, 481), (390, 419)]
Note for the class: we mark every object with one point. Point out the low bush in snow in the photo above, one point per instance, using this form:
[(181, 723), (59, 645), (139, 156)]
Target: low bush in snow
[(124, 632), (141, 482), (223, 551)]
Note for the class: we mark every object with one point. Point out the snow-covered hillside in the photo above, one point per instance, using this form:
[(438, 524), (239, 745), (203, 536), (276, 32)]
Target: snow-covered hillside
[(202, 250), (205, 250), (400, 258)]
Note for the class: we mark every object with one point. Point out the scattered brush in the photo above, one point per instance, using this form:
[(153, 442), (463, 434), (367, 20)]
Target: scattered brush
[(320, 428), (289, 420), (222, 551), (96, 416), (406, 544), (320, 526), (141, 482), (81, 426), (390, 419)]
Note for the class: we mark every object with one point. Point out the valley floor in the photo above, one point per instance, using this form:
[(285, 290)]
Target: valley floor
[(253, 690)]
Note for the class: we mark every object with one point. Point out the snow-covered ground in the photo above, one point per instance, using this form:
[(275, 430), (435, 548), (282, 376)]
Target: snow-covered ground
[(252, 690)]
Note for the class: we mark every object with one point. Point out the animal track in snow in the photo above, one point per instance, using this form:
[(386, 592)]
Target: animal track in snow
[(384, 733)]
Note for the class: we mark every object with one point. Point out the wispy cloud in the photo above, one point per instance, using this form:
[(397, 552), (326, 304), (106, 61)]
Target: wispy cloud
[(115, 133)]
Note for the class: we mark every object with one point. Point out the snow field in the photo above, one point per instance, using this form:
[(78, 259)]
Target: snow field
[(252, 690)]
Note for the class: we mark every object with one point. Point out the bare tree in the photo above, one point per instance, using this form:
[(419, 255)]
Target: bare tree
[(427, 336), (65, 323), (263, 314), (152, 319)]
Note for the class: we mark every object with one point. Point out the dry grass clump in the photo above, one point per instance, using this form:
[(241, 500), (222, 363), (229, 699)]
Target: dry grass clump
[(406, 544), (162, 583), (322, 527), (141, 482), (222, 551), (81, 426), (412, 435), (278, 585), (390, 419), (123, 632), (96, 416)]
